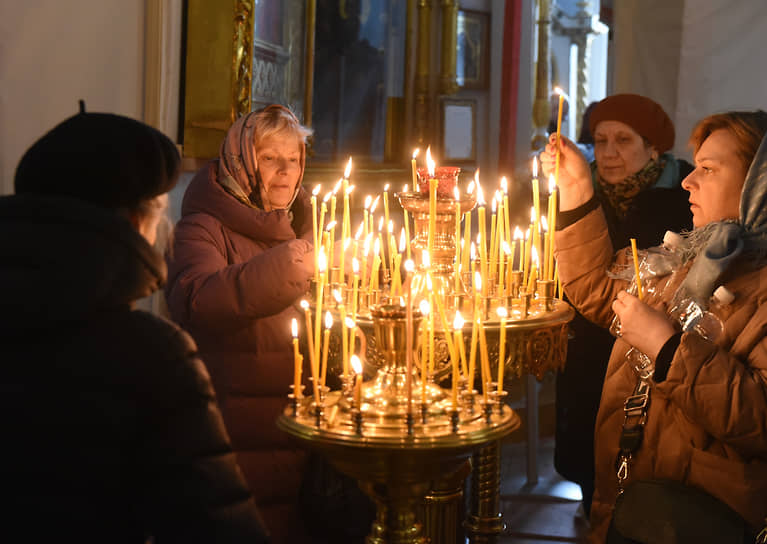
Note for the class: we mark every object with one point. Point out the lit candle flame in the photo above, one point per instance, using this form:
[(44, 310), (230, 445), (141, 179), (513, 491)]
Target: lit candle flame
[(337, 296), (349, 322), (386, 187), (304, 304), (347, 243), (429, 162), (355, 265), (337, 186), (402, 240), (429, 284), (377, 247), (409, 266), (532, 214), (458, 321), (504, 185), (424, 307), (493, 204), (425, 258), (328, 320), (366, 245), (368, 200), (470, 188), (506, 248), (560, 91), (535, 167), (349, 189), (380, 224), (331, 226), (322, 261), (480, 196), (544, 223), (354, 360), (518, 233), (294, 327), (348, 169), (502, 313), (473, 251), (327, 197), (317, 189), (402, 301), (360, 230), (415, 152), (477, 281), (552, 183), (405, 188), (535, 255), (374, 204), (390, 226)]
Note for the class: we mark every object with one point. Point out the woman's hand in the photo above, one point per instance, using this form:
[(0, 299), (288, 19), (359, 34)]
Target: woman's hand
[(642, 326), (575, 187)]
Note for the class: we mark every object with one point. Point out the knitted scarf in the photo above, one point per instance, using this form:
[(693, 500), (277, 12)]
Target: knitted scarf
[(621, 195)]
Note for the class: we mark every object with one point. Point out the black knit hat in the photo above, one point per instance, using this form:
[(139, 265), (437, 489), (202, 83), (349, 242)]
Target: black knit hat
[(106, 159)]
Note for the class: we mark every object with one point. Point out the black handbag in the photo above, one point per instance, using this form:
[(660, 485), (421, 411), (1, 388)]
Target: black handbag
[(668, 512)]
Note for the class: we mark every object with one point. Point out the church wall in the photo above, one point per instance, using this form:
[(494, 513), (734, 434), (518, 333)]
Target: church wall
[(53, 53)]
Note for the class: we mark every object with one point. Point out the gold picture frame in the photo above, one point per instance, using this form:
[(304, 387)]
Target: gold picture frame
[(472, 53)]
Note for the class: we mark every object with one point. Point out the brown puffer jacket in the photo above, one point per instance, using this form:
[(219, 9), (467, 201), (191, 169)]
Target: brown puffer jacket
[(234, 274), (707, 422)]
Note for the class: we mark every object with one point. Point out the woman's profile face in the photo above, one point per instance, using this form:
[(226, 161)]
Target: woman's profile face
[(717, 181), (619, 151), (279, 164)]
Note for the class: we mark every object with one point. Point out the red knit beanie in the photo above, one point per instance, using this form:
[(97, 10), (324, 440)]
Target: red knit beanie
[(645, 116)]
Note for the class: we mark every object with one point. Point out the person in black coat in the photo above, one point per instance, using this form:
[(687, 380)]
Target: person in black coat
[(638, 184), (111, 430)]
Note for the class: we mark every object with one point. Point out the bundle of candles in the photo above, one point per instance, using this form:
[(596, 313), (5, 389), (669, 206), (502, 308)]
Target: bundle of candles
[(495, 281)]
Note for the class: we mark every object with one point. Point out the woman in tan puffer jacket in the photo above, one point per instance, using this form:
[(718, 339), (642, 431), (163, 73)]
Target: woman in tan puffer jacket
[(706, 425)]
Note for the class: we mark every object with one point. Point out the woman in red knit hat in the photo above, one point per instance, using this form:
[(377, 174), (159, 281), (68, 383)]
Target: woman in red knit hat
[(638, 184)]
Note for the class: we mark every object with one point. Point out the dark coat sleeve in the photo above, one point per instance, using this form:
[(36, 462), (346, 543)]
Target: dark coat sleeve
[(204, 287), (193, 488)]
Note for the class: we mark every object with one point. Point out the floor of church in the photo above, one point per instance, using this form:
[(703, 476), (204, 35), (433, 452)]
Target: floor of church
[(547, 511)]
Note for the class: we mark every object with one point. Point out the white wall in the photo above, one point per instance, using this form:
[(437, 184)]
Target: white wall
[(53, 53)]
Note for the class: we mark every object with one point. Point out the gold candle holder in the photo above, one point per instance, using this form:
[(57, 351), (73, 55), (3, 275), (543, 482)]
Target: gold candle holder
[(546, 294)]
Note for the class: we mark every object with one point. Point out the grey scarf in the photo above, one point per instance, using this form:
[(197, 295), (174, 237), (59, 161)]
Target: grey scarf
[(717, 245)]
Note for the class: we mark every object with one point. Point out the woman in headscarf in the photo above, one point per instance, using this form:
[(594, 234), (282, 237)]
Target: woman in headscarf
[(701, 420), (241, 258), (637, 182), (111, 431)]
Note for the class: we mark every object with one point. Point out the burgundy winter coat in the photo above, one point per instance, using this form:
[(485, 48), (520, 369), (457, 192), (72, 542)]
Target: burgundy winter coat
[(234, 275)]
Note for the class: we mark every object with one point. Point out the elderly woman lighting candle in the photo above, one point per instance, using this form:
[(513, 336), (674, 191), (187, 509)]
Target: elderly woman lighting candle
[(703, 427)]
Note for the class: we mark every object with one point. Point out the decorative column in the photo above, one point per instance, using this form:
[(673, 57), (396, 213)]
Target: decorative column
[(423, 54), (541, 107), (448, 82)]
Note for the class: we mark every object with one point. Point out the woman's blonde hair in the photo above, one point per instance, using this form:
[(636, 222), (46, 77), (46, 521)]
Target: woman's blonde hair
[(277, 119), (747, 127)]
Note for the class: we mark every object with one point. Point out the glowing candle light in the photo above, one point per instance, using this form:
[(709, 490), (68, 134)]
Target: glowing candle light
[(312, 358), (503, 314), (406, 224), (430, 165), (297, 359), (365, 211), (348, 169), (552, 213), (636, 268), (357, 366), (414, 171), (325, 344), (409, 268), (392, 244), (458, 323), (533, 270), (425, 308), (346, 230)]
